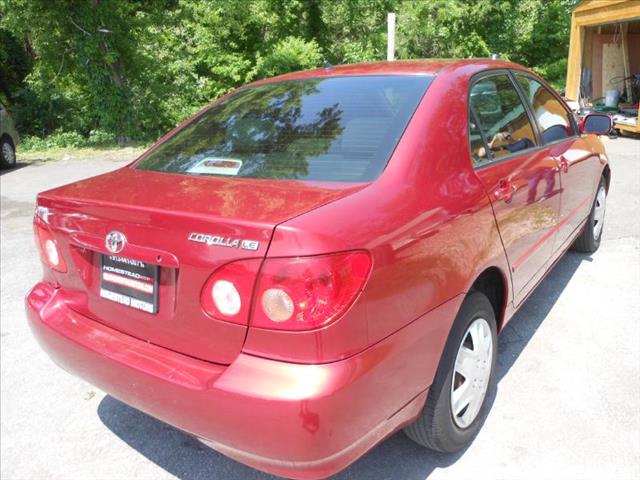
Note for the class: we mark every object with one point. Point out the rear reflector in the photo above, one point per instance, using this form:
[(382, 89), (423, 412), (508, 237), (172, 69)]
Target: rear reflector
[(305, 293), (48, 247)]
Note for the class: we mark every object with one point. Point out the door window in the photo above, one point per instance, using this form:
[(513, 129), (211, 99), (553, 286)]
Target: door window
[(502, 120), (478, 147), (550, 114)]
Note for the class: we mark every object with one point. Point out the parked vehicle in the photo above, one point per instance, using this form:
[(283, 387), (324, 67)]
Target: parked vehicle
[(320, 259), (8, 139)]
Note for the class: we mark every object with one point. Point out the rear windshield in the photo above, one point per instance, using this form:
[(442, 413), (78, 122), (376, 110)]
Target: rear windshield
[(341, 129)]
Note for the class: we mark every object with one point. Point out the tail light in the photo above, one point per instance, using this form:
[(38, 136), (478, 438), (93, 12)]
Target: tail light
[(304, 293), (299, 293), (48, 247)]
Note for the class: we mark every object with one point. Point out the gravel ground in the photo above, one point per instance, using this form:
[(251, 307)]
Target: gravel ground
[(568, 401)]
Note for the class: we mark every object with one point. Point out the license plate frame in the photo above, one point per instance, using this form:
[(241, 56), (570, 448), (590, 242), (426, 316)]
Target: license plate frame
[(129, 282)]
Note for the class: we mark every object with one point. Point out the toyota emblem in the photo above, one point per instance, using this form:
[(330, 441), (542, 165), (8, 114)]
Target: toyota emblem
[(115, 241)]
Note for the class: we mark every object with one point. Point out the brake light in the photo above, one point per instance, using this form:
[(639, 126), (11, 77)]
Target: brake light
[(228, 292), (49, 251), (305, 293)]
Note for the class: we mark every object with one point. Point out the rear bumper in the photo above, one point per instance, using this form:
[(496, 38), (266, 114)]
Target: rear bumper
[(299, 421)]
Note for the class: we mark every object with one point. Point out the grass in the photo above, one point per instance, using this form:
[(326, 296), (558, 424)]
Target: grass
[(115, 153)]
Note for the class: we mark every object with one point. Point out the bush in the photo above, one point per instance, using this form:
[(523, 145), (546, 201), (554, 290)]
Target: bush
[(100, 138), (555, 73), (290, 55), (96, 138)]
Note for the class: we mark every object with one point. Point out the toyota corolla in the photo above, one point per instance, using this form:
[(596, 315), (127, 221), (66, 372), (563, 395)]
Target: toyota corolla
[(318, 260)]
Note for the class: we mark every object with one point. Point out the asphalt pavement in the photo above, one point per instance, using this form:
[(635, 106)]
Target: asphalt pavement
[(567, 403)]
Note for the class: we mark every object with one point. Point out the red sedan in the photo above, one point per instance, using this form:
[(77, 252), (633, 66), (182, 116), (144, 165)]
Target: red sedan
[(317, 260)]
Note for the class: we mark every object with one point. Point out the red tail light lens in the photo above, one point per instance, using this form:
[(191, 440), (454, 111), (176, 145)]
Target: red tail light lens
[(49, 251), (228, 292), (304, 293)]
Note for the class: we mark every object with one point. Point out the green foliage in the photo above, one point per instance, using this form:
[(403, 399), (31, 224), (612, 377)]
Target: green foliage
[(100, 138), (290, 55), (356, 30), (60, 139), (55, 140), (447, 28), (531, 32), (14, 66), (555, 72), (134, 69)]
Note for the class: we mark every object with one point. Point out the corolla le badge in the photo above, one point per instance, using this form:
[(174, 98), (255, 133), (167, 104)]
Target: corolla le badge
[(220, 241), (115, 241)]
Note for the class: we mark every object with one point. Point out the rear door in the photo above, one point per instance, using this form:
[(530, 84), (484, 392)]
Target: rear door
[(521, 180), (579, 168)]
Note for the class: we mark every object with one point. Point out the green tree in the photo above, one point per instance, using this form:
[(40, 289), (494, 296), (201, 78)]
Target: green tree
[(135, 68)]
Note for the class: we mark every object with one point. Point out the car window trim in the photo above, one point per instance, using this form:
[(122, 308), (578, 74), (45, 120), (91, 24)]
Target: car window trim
[(555, 95), (510, 156), (529, 108), (487, 150)]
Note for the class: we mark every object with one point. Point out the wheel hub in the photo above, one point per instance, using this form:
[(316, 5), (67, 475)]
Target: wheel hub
[(598, 212), (471, 372), (8, 153)]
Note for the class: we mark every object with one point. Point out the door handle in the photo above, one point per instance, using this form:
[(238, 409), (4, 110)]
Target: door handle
[(563, 165), (505, 191)]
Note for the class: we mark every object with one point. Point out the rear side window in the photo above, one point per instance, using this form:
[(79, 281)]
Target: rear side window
[(502, 120), (552, 117), (341, 129)]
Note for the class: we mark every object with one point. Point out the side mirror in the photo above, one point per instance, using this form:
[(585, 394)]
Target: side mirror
[(596, 123)]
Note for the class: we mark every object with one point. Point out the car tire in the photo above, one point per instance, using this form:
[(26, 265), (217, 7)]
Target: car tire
[(7, 153), (439, 427), (589, 239)]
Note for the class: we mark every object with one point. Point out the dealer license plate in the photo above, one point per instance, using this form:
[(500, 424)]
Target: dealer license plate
[(129, 282)]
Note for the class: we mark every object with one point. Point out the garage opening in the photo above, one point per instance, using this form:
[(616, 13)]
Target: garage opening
[(604, 61)]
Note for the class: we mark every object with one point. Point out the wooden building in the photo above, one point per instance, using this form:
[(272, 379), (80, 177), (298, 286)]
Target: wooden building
[(604, 55)]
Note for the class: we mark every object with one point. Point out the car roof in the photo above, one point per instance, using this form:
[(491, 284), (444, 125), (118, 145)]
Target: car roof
[(429, 66)]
